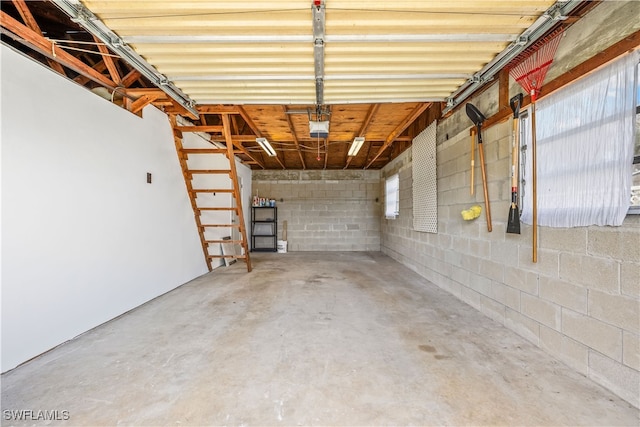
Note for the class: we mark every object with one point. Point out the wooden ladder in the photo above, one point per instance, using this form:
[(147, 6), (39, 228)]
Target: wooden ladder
[(238, 217)]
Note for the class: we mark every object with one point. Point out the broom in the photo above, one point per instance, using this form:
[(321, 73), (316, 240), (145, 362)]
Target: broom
[(529, 70)]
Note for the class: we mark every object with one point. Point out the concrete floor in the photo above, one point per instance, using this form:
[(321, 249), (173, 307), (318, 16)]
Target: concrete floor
[(308, 339)]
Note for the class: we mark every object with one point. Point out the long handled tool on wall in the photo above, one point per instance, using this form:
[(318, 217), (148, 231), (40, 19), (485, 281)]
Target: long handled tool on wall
[(473, 160), (478, 118), (529, 70), (513, 223)]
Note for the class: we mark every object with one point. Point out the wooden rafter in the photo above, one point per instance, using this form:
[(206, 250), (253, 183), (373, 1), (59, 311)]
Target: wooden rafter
[(28, 19), (295, 137), (399, 129), (255, 130), (109, 62), (143, 101), (217, 109), (130, 78), (35, 41), (82, 80), (363, 128)]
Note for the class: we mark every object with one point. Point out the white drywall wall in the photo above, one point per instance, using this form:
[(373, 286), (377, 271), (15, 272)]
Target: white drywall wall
[(84, 237)]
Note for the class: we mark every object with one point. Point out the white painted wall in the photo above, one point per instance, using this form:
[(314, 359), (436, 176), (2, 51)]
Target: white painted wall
[(84, 237)]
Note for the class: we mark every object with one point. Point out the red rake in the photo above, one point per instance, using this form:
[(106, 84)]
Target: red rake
[(529, 70)]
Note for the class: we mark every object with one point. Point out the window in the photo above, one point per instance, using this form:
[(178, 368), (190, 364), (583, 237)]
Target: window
[(635, 170), (392, 197), (585, 147)]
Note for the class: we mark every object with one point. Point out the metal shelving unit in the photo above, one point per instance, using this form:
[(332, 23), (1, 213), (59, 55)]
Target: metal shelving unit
[(264, 229)]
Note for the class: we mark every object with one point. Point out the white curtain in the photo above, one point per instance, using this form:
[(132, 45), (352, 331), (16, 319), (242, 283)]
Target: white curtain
[(585, 138), (392, 197)]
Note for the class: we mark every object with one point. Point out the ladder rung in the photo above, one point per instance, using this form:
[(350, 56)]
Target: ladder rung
[(217, 209), (213, 190), (204, 150), (220, 225), (208, 170), (223, 241), (227, 256)]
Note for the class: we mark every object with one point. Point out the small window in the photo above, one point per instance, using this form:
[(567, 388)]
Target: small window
[(392, 197)]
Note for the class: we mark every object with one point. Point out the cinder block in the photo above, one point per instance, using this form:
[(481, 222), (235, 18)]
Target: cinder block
[(564, 239), (564, 293), (595, 273), (460, 275), (504, 252), (506, 295), (622, 380), (631, 350), (630, 279), (480, 284), (470, 263), (593, 333), (571, 352), (524, 326), (492, 270), (548, 261), (493, 309), (617, 310), (471, 297), (480, 248), (521, 279), (619, 243), (545, 312)]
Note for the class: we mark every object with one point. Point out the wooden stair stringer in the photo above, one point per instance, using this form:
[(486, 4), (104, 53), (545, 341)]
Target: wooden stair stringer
[(234, 191), (177, 138)]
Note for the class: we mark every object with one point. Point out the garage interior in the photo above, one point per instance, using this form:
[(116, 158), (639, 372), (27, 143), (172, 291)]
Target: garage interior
[(390, 287)]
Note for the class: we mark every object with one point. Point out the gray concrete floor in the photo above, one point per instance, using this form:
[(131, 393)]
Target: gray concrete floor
[(308, 339)]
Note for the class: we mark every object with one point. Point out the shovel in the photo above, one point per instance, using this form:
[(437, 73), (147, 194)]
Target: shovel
[(478, 118), (513, 224)]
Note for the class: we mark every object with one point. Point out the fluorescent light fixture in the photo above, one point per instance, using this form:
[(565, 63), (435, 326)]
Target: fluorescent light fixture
[(355, 146), (266, 146)]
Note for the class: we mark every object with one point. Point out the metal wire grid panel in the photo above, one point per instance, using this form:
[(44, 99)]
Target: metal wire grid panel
[(425, 188)]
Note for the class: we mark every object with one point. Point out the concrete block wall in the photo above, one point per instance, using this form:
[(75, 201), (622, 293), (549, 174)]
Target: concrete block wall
[(580, 302), (325, 210)]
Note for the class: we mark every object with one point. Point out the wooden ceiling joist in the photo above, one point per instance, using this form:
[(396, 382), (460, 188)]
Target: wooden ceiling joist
[(28, 37), (295, 137), (28, 19)]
